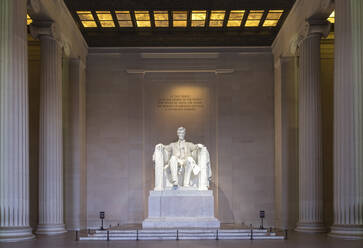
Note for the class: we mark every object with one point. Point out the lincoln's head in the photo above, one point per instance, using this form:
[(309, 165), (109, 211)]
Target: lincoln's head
[(181, 133)]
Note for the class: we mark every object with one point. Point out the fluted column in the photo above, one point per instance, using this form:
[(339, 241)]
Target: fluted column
[(310, 136), (50, 140), (348, 120), (14, 130)]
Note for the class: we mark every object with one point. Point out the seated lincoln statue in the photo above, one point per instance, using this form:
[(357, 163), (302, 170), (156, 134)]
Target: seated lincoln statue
[(182, 164)]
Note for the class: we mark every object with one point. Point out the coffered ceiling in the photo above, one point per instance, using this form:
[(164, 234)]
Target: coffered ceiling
[(110, 23)]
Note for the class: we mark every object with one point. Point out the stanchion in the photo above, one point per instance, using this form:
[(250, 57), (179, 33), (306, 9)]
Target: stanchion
[(177, 234), (217, 235), (137, 234), (108, 235), (285, 233), (251, 228), (77, 235)]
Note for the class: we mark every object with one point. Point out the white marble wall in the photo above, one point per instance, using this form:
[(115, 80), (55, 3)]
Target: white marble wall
[(123, 125)]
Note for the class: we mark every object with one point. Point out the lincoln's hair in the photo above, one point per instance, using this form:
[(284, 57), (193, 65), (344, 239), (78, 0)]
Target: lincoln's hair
[(181, 129)]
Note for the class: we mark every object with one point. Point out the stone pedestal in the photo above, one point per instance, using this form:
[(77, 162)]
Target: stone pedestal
[(181, 209)]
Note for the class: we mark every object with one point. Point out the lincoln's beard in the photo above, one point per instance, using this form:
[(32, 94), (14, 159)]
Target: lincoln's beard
[(181, 137)]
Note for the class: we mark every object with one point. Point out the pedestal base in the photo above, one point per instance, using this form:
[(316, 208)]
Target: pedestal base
[(347, 231), (12, 234), (181, 209), (50, 229), (311, 227)]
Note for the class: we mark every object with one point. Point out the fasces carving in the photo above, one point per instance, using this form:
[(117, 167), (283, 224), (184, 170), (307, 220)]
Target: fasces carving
[(181, 164)]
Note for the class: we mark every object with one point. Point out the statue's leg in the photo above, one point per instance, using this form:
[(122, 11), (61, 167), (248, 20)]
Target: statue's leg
[(174, 170), (189, 164)]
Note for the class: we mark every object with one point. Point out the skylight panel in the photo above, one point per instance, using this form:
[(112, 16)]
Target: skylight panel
[(254, 18), (198, 18), (272, 18), (217, 18), (161, 18), (28, 20), (105, 19), (124, 18), (180, 18), (331, 18), (143, 19), (235, 18), (87, 19)]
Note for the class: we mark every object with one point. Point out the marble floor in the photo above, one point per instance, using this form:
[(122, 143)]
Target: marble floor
[(295, 240)]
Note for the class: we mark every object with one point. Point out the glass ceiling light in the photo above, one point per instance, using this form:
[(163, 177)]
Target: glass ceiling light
[(142, 18), (180, 18), (161, 18), (254, 18), (87, 19), (198, 18), (272, 18), (217, 18), (28, 19), (235, 18), (331, 18), (124, 18), (105, 19)]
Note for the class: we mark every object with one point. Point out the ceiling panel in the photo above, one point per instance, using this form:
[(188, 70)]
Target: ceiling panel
[(116, 23)]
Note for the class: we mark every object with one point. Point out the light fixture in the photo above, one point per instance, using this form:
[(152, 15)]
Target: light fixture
[(254, 18), (124, 18), (272, 18), (180, 18), (235, 18), (105, 19), (142, 18), (198, 18), (87, 19), (217, 18), (161, 18)]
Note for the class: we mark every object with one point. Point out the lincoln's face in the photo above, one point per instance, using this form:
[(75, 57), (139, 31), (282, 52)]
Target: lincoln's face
[(181, 133)]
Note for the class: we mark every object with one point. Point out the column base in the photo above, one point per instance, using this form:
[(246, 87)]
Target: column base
[(13, 234), (50, 229), (347, 231), (311, 227)]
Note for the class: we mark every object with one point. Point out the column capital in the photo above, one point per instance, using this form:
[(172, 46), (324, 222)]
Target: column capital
[(316, 27), (40, 29), (48, 29), (312, 27)]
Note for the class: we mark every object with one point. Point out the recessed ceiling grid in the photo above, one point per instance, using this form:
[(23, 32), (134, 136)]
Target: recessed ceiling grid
[(176, 19)]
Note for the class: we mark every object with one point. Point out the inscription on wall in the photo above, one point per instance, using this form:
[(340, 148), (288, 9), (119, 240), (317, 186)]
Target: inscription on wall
[(180, 103)]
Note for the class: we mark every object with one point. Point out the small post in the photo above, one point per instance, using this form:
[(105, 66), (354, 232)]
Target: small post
[(137, 234), (217, 235), (270, 229), (108, 235), (285, 233), (177, 234), (77, 235), (88, 231), (251, 228), (262, 215), (102, 216)]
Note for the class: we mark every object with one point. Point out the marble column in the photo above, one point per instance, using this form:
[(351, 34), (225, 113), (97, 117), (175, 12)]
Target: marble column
[(75, 147), (310, 135), (348, 120), (50, 140), (14, 130)]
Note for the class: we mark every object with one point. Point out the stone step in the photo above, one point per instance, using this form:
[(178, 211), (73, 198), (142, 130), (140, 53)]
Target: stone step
[(182, 234)]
